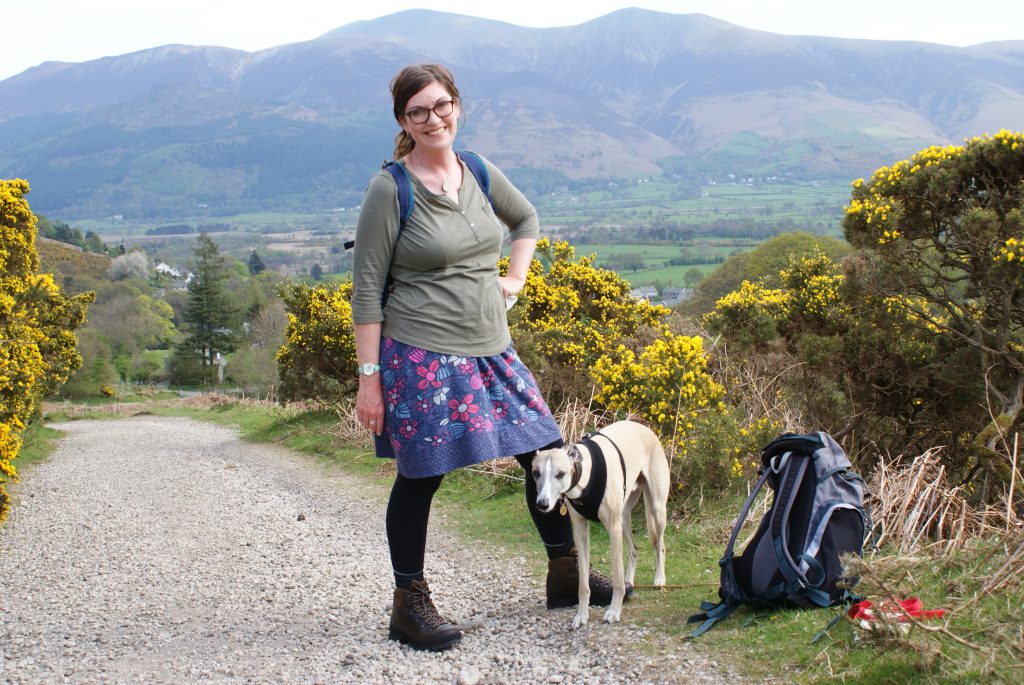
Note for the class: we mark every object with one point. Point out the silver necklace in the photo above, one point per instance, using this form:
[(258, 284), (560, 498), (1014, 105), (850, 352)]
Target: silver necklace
[(442, 179)]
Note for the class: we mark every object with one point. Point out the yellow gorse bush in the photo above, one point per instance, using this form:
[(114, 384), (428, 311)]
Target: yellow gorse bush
[(814, 286), (318, 358), (751, 314), (1010, 252), (38, 347), (666, 384), (576, 310), (878, 204)]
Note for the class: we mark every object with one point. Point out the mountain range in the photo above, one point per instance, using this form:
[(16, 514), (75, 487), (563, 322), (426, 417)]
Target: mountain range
[(177, 130)]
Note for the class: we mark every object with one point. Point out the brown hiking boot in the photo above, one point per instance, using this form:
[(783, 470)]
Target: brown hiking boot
[(415, 621), (563, 584)]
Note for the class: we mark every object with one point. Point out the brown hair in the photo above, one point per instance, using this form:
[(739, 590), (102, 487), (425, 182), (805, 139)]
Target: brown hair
[(411, 80)]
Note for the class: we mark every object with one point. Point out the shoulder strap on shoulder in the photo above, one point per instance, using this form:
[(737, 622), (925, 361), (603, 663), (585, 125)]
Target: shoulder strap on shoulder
[(405, 202), (476, 167), (405, 197)]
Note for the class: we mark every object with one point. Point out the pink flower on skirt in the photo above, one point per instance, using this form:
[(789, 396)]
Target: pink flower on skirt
[(462, 409), (428, 375), (408, 429), (480, 424)]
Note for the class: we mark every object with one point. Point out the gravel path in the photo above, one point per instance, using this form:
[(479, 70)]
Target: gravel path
[(164, 550)]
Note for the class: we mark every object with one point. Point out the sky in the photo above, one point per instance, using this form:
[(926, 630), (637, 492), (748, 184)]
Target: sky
[(36, 31)]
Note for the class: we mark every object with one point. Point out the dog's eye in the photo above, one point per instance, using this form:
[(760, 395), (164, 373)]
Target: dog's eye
[(560, 474), (536, 473)]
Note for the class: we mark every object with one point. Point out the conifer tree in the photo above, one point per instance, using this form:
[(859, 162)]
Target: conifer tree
[(256, 265), (208, 312)]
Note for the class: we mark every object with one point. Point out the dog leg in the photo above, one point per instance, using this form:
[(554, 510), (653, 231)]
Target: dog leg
[(656, 508), (627, 530), (581, 535), (614, 612)]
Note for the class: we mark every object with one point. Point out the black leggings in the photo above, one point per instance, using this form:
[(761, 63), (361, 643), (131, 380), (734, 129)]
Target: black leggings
[(409, 511)]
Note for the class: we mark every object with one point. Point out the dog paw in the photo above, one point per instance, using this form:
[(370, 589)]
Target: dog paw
[(612, 616), (579, 620)]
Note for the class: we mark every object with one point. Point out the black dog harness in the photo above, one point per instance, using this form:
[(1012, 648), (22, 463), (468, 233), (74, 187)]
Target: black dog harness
[(589, 501)]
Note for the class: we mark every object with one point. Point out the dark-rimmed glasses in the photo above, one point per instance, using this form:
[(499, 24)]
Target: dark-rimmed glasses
[(420, 115)]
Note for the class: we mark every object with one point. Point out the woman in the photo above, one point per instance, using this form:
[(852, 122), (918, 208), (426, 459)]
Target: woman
[(440, 385)]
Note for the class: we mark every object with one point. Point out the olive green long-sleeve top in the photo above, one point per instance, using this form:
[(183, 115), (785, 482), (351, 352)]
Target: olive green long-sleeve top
[(445, 296)]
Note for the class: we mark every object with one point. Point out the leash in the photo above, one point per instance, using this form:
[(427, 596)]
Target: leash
[(673, 587)]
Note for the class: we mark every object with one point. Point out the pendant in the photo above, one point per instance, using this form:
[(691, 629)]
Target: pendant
[(444, 185)]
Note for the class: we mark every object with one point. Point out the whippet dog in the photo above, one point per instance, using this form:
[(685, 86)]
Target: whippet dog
[(602, 477)]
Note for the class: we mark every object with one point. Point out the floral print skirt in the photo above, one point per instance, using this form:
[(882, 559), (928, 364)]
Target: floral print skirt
[(442, 412)]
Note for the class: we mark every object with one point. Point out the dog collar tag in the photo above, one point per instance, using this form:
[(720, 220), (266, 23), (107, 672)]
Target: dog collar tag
[(563, 510)]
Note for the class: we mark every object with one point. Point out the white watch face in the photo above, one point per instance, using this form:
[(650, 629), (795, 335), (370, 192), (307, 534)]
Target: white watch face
[(368, 369)]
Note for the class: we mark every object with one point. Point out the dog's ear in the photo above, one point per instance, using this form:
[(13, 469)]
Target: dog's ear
[(574, 453)]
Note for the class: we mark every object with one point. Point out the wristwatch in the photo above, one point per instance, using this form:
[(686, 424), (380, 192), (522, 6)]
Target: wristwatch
[(367, 369)]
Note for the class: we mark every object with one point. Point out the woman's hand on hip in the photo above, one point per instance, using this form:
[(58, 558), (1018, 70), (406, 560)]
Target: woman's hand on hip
[(510, 285), (370, 403)]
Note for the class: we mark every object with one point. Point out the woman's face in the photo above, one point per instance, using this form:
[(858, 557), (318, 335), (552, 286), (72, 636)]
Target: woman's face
[(436, 133)]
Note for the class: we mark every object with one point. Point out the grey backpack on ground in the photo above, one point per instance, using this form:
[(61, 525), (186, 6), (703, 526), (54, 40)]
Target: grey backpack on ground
[(817, 514)]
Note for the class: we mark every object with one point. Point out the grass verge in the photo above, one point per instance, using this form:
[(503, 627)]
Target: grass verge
[(38, 443), (982, 639)]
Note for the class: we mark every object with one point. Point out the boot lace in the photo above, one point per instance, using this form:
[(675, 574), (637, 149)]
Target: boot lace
[(424, 608), (596, 580)]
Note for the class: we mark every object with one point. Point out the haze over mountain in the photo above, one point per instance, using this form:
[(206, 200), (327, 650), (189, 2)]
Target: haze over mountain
[(159, 133)]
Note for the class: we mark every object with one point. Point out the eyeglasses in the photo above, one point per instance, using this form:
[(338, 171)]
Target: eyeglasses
[(420, 115)]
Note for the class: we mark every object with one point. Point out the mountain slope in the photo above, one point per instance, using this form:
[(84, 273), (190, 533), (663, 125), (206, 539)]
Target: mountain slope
[(158, 133)]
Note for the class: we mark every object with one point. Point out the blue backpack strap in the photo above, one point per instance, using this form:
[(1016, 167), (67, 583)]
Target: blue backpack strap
[(831, 624), (712, 615), (405, 202), (732, 593), (476, 167), (405, 199)]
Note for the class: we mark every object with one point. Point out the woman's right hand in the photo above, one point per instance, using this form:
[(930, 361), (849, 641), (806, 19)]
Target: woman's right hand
[(370, 403)]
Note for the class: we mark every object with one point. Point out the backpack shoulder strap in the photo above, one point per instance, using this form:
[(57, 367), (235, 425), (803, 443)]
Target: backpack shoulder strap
[(744, 512), (405, 197), (405, 204), (476, 166), (797, 582), (730, 591)]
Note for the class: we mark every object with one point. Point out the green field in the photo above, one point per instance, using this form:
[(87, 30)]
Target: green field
[(814, 206), (655, 257), (811, 205), (723, 219)]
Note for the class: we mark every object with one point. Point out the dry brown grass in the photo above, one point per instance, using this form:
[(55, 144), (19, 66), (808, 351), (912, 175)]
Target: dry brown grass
[(73, 410), (915, 506), (346, 430)]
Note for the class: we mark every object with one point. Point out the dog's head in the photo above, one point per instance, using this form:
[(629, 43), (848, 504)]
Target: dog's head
[(552, 471)]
